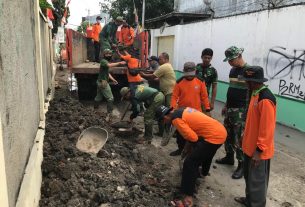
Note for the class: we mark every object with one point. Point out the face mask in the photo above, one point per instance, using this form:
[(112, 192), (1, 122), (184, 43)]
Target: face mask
[(108, 58)]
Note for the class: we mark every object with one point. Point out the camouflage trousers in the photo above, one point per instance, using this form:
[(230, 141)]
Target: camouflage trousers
[(234, 123), (104, 92), (149, 115)]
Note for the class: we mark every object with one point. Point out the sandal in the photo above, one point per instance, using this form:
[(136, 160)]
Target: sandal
[(177, 203), (188, 202), (241, 200)]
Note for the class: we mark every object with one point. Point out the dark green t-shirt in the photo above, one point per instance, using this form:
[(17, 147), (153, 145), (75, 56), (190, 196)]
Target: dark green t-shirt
[(208, 74), (104, 70)]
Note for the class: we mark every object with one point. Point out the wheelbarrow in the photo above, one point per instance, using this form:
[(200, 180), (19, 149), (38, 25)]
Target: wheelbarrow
[(92, 140)]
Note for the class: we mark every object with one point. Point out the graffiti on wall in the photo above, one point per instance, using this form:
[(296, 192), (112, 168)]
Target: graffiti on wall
[(286, 71)]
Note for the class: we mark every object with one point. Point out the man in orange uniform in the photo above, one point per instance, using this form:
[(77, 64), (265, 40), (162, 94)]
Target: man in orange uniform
[(133, 77), (189, 91), (126, 35), (204, 135), (96, 29), (258, 139)]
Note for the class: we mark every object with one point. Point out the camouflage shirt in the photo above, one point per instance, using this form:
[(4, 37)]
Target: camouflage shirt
[(208, 74)]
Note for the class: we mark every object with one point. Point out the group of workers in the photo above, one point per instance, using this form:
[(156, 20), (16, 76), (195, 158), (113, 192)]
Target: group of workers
[(249, 113), (113, 33)]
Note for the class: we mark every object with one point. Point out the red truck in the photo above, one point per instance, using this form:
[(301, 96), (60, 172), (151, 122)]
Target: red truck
[(80, 50)]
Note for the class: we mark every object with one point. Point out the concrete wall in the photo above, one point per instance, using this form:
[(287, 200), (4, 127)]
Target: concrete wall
[(21, 88), (272, 39), (230, 7)]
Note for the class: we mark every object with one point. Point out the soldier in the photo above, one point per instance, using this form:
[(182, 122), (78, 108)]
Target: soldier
[(103, 87), (204, 136), (258, 139), (208, 73), (108, 34), (152, 99), (235, 110)]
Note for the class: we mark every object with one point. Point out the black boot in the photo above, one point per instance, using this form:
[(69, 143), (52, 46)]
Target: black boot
[(239, 172), (227, 160), (176, 152)]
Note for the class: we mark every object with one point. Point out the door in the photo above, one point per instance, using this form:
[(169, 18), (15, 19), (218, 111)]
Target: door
[(166, 44)]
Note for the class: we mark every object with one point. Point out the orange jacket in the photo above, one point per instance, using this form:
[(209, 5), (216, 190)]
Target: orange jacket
[(132, 63), (260, 125), (192, 124), (96, 29), (190, 94), (126, 36)]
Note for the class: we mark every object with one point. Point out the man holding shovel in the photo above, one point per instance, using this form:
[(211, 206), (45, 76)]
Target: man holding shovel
[(204, 135), (152, 99)]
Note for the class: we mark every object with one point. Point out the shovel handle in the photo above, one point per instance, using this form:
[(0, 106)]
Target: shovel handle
[(125, 112)]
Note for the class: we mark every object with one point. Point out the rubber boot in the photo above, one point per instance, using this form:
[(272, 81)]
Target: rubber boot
[(148, 133), (239, 172), (109, 106), (227, 160)]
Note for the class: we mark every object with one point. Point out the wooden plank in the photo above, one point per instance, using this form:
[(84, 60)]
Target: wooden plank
[(93, 68)]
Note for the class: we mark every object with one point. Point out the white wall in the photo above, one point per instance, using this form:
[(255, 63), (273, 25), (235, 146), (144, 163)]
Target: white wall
[(258, 33)]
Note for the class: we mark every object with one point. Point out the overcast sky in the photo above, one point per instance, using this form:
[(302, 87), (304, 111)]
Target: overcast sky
[(79, 9)]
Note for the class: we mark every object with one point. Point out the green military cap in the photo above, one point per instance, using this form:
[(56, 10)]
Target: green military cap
[(189, 69), (119, 19), (124, 92), (232, 53), (107, 51)]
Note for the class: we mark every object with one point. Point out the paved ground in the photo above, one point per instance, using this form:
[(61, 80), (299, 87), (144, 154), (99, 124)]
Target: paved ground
[(287, 178)]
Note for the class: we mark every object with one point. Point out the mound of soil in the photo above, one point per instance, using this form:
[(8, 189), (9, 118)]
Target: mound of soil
[(122, 173)]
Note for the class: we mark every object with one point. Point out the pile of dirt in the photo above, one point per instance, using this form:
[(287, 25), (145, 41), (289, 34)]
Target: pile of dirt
[(122, 173)]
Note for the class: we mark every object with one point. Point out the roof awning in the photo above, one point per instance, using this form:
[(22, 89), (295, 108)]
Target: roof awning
[(175, 18)]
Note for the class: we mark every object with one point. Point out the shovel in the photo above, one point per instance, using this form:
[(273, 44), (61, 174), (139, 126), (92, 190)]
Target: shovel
[(123, 127), (92, 140)]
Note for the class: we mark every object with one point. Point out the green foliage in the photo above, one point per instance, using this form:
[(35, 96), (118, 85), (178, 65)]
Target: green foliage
[(58, 12), (125, 8), (82, 28), (44, 5)]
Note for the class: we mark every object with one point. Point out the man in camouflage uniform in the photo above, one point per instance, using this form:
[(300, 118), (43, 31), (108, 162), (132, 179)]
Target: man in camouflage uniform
[(152, 99), (108, 34), (208, 73), (235, 110), (103, 87)]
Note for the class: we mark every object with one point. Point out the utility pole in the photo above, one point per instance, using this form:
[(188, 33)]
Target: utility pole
[(143, 14)]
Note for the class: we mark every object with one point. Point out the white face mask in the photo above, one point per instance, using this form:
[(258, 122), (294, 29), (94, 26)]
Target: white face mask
[(98, 21)]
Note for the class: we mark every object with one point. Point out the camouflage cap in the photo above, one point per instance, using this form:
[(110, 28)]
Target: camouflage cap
[(107, 51), (124, 92), (119, 19), (232, 53), (189, 69)]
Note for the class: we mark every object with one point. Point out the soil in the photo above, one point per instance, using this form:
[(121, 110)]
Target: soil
[(124, 173)]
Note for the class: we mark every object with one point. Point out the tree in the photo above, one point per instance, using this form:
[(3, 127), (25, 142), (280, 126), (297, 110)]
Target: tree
[(125, 8), (83, 27), (60, 6)]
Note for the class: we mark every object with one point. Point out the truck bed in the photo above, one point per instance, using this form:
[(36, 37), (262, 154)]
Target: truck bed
[(93, 68)]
